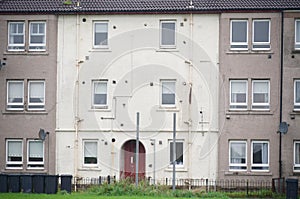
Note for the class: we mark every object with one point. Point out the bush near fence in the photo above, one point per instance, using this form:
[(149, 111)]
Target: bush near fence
[(248, 187)]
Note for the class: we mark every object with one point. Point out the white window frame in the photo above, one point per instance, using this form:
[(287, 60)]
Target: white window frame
[(13, 46), (183, 158), (233, 166), (161, 93), (99, 106), (18, 105), (296, 104), (260, 45), (237, 105), (265, 167), (239, 44), (297, 43), (296, 167), (260, 106), (8, 162), (36, 105), (37, 46), (83, 152), (35, 164), (170, 46), (107, 33)]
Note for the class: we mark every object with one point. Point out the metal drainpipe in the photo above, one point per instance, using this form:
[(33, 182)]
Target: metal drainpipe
[(77, 120), (190, 100), (280, 94)]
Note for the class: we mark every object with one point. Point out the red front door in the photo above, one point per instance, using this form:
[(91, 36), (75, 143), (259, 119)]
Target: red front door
[(129, 169)]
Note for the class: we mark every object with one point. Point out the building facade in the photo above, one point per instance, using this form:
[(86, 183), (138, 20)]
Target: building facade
[(28, 86), (81, 78), (291, 93), (157, 65)]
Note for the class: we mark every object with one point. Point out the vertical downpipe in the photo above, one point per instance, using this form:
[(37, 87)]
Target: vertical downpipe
[(280, 94), (77, 120), (190, 99)]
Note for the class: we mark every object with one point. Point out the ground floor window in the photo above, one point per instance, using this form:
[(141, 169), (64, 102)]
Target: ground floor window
[(178, 152), (35, 156), (237, 155), (90, 152), (297, 156), (14, 153), (260, 155)]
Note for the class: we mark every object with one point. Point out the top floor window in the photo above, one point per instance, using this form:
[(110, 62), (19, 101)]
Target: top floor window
[(297, 95), (261, 35), (16, 36), (297, 34), (167, 34), (239, 35), (100, 34), (37, 37)]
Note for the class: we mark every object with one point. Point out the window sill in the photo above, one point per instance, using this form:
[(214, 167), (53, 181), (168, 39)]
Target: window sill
[(177, 168), (247, 173), (167, 109), (16, 112), (26, 53), (254, 52), (249, 112), (162, 49), (91, 168), (100, 50), (100, 109)]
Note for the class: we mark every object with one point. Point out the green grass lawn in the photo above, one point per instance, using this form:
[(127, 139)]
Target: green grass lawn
[(74, 196)]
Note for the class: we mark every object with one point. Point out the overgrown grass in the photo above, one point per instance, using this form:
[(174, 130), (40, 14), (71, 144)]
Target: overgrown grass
[(127, 188)]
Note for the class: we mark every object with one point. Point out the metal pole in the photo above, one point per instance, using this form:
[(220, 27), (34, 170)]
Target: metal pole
[(137, 149), (154, 151), (174, 150)]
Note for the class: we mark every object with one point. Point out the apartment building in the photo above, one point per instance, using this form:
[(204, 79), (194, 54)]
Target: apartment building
[(28, 91)]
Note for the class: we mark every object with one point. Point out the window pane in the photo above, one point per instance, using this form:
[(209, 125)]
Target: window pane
[(15, 92), (179, 153), (239, 31), (297, 31), (16, 36), (90, 152), (260, 153), (37, 36), (261, 31), (35, 154), (260, 92), (297, 153), (100, 93), (35, 149), (101, 34), (36, 92), (168, 93), (238, 152), (260, 156), (297, 92), (238, 92), (168, 33)]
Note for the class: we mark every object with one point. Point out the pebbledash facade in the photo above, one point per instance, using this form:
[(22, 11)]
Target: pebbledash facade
[(218, 66), (28, 86)]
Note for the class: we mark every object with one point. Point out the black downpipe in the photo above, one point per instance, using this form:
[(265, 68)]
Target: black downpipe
[(280, 94)]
